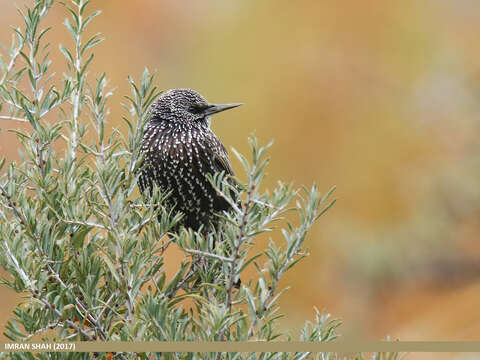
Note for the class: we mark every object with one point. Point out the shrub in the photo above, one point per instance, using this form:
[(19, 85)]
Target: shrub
[(87, 250)]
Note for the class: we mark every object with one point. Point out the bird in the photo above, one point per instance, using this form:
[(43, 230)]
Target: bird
[(179, 150)]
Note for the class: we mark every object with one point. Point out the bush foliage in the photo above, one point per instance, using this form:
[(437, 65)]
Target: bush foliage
[(87, 250)]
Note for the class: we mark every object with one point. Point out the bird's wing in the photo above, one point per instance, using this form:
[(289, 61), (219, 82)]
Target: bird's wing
[(215, 157), (221, 160)]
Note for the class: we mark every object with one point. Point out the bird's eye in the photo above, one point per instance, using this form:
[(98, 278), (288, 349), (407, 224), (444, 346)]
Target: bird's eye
[(197, 108)]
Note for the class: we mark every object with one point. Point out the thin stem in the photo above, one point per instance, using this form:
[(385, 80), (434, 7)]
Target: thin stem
[(43, 329), (172, 292), (5, 117), (79, 88), (84, 223), (236, 250), (207, 254)]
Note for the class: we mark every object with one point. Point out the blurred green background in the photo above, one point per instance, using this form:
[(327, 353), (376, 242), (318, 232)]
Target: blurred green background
[(377, 97)]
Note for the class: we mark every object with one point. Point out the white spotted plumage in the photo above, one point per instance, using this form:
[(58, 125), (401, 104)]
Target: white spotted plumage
[(179, 151)]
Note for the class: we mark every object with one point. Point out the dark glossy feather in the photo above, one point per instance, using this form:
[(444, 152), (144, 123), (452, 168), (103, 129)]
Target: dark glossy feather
[(178, 155)]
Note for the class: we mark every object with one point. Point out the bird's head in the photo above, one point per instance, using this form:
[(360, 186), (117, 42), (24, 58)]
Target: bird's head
[(183, 105)]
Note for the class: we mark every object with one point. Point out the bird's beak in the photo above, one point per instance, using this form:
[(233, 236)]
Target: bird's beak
[(216, 108)]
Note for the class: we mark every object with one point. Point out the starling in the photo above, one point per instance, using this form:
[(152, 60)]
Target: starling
[(179, 151)]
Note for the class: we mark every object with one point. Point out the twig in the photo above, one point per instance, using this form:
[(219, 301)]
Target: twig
[(233, 269), (207, 254), (241, 240), (164, 246), (84, 223), (5, 117), (46, 328), (172, 292)]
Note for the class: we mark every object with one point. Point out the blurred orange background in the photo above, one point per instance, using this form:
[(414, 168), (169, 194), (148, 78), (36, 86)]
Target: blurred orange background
[(379, 98)]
